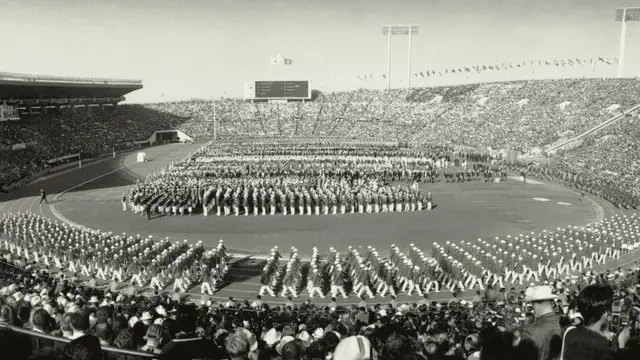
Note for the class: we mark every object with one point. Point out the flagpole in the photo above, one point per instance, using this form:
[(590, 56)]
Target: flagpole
[(409, 65), (623, 35), (389, 60)]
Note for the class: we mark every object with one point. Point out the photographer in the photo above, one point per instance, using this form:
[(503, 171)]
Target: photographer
[(591, 339)]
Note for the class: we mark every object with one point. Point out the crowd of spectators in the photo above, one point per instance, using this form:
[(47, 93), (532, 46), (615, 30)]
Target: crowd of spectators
[(527, 324), (519, 115)]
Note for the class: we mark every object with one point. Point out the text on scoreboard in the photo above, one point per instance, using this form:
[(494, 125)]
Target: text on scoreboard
[(277, 90)]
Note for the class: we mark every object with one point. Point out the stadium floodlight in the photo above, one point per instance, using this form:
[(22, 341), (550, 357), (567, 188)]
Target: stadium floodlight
[(398, 30), (623, 15)]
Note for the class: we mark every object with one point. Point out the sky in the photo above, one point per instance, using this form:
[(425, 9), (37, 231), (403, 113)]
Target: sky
[(185, 49)]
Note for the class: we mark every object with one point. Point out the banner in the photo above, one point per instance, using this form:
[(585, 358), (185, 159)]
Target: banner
[(9, 112)]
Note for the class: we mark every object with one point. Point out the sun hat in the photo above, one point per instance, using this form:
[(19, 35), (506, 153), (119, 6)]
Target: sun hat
[(272, 336), (353, 348), (539, 293)]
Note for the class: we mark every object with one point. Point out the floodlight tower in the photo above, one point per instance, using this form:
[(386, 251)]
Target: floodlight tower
[(623, 15), (398, 30)]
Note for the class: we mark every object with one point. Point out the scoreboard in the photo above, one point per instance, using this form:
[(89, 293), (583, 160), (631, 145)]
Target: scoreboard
[(277, 90)]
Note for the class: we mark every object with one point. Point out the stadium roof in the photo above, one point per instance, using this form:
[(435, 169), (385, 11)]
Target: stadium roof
[(42, 87)]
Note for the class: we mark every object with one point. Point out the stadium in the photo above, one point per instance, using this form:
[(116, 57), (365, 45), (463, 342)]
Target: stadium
[(351, 205)]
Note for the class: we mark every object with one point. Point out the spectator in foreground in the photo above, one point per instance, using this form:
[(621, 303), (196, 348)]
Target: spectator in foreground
[(590, 341), (85, 347), (545, 332), (238, 347)]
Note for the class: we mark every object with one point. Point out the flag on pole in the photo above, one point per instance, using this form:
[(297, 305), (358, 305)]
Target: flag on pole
[(276, 60)]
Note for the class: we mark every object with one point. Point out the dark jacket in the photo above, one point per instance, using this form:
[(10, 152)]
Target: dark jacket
[(581, 343), (546, 333)]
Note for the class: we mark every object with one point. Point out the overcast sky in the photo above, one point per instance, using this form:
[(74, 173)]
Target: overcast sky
[(202, 48)]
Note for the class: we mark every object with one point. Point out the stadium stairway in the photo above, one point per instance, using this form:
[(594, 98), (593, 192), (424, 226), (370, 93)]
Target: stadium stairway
[(598, 127)]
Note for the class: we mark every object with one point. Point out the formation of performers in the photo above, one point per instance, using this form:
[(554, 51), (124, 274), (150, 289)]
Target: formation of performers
[(137, 260), (623, 195), (561, 254), (304, 180)]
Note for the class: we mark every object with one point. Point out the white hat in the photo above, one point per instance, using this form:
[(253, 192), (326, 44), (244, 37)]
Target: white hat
[(146, 316), (305, 337), (539, 293), (353, 348), (272, 336)]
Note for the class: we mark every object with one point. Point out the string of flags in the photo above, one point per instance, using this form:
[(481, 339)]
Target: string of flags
[(478, 69)]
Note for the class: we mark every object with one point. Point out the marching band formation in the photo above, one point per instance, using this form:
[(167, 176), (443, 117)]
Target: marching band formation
[(297, 179)]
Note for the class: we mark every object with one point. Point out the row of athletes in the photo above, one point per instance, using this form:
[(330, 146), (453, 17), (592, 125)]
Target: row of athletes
[(545, 256), (140, 261), (281, 147), (611, 190), (361, 275), (250, 198)]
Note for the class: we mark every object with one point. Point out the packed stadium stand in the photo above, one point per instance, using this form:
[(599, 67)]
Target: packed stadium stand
[(68, 119)]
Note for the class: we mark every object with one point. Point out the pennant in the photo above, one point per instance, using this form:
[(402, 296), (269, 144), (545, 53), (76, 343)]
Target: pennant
[(384, 76), (467, 69), (288, 61), (459, 70), (415, 74), (570, 62), (484, 67), (539, 62), (593, 62), (276, 60), (511, 65), (422, 74), (579, 62), (600, 59), (608, 61), (547, 62), (453, 71), (490, 67)]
